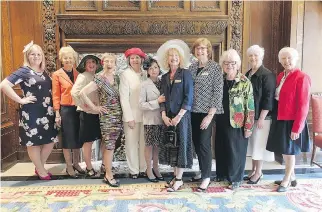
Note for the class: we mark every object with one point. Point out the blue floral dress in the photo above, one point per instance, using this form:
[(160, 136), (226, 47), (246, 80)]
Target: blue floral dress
[(37, 120)]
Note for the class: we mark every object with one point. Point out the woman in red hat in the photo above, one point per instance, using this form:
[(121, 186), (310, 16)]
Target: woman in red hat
[(130, 84)]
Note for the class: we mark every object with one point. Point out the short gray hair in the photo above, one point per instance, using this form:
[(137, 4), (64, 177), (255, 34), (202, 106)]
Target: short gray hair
[(231, 54), (256, 49), (289, 50)]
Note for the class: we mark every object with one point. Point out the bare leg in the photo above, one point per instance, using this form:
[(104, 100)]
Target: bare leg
[(68, 158), (35, 157), (258, 170), (177, 184), (251, 173), (45, 152), (155, 156), (87, 150), (289, 169), (148, 158), (108, 158)]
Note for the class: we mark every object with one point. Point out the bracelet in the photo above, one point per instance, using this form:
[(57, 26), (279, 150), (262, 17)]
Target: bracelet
[(58, 117)]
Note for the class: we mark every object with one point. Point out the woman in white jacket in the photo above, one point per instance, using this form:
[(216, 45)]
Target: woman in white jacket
[(130, 85), (150, 99)]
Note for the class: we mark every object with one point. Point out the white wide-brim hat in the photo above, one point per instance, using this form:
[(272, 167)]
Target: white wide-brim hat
[(182, 48)]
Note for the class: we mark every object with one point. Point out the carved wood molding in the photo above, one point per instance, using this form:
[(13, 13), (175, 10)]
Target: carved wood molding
[(196, 7), (135, 5), (152, 6), (236, 23), (142, 27), (49, 26)]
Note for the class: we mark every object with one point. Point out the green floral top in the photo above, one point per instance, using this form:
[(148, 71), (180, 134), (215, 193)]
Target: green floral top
[(241, 103)]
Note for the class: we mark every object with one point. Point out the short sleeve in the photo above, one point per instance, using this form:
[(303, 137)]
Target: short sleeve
[(97, 80), (19, 76)]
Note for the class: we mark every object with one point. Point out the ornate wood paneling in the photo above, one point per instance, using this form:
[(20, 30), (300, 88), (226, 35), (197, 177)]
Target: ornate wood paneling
[(165, 5), (85, 26), (85, 5), (111, 5), (235, 31), (214, 6), (49, 25)]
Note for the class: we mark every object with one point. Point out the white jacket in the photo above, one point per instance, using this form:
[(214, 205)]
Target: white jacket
[(130, 86), (149, 103)]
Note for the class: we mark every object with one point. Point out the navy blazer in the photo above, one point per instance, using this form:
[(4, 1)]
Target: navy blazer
[(179, 94)]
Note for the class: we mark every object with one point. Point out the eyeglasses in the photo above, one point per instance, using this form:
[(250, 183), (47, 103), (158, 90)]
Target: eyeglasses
[(202, 48), (231, 63)]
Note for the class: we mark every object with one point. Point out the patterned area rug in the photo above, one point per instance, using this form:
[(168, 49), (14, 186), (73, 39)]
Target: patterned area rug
[(154, 197)]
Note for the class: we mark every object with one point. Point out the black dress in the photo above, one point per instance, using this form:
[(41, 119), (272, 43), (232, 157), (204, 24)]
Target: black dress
[(36, 121), (279, 140), (230, 144), (70, 123)]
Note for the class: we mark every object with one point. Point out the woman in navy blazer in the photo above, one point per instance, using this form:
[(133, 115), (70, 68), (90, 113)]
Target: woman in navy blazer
[(177, 87)]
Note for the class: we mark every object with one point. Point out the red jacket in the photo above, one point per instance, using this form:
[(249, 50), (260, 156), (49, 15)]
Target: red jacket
[(294, 98)]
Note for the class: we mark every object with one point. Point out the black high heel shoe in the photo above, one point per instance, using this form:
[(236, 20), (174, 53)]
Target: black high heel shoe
[(255, 182), (155, 180), (158, 178), (281, 188), (80, 171), (293, 182), (91, 173), (116, 184)]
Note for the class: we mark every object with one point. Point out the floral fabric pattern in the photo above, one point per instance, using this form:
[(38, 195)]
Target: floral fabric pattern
[(37, 120), (241, 103)]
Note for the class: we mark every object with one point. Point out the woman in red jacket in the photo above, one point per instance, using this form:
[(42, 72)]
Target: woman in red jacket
[(289, 133)]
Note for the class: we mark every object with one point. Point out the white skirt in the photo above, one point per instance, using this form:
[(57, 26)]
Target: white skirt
[(258, 141)]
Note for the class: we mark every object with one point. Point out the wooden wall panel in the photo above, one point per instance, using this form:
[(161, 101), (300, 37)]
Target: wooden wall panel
[(21, 23)]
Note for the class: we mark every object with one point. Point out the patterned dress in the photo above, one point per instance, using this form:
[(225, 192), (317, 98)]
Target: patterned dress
[(36, 120), (111, 123), (153, 134)]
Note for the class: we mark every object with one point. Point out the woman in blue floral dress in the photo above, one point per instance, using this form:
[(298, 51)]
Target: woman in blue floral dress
[(37, 130)]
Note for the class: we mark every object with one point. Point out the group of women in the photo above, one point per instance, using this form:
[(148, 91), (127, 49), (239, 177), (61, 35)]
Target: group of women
[(165, 118)]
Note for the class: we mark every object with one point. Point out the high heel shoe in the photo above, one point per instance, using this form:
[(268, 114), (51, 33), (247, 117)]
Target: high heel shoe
[(154, 180), (281, 188), (293, 182), (91, 173), (116, 184), (42, 178), (158, 178), (172, 188), (170, 182), (36, 172), (199, 189), (80, 171), (255, 182), (74, 176)]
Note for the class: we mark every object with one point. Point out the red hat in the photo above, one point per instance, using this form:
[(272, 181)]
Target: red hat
[(136, 51)]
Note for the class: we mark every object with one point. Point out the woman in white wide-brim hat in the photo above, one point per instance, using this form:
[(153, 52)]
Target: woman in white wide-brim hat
[(177, 87)]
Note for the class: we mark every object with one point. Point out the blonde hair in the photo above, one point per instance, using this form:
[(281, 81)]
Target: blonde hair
[(26, 62), (256, 49), (166, 56), (289, 50), (65, 50), (205, 42), (231, 54), (110, 55)]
